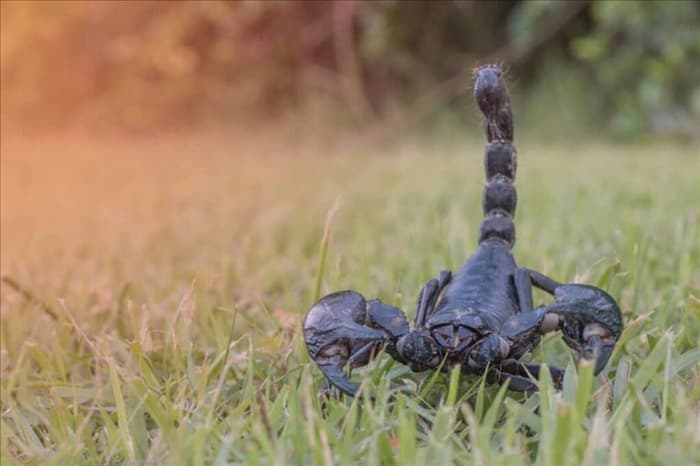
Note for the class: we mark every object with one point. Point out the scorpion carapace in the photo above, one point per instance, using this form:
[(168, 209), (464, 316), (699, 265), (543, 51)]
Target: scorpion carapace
[(482, 317)]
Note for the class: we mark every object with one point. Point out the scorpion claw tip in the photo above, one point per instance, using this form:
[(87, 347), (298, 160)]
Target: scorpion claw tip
[(339, 379), (599, 351), (591, 322)]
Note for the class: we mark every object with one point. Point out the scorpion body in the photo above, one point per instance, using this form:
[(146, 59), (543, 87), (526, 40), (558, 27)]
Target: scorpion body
[(484, 320)]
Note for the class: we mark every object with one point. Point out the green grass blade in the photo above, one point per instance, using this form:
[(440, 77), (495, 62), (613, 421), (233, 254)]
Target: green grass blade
[(325, 240)]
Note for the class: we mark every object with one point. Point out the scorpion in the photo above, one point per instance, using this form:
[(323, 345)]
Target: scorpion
[(484, 320)]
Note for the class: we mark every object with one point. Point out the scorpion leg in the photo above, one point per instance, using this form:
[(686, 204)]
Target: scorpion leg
[(521, 376), (516, 383), (523, 287), (543, 282), (524, 369), (428, 296), (343, 327)]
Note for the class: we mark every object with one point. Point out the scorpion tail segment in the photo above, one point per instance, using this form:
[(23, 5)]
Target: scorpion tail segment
[(491, 96), (500, 195), (497, 226), (343, 327), (500, 158), (500, 161), (590, 321)]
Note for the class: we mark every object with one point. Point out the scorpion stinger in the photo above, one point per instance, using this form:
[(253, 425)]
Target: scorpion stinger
[(481, 318)]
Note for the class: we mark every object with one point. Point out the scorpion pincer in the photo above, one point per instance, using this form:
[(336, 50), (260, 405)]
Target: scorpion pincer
[(482, 317)]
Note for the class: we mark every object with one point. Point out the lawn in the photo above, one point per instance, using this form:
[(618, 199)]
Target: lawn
[(153, 293)]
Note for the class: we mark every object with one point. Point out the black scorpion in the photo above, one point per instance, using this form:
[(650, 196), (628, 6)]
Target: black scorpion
[(485, 320)]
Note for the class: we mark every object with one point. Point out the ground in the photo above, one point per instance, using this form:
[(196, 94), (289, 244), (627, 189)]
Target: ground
[(153, 293)]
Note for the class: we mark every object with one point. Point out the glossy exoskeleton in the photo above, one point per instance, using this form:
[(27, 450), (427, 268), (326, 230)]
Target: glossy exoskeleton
[(482, 317)]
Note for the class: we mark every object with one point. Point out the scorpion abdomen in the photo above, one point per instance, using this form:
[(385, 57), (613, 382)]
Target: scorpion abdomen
[(481, 294)]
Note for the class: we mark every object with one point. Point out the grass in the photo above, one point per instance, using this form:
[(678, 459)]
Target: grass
[(154, 292)]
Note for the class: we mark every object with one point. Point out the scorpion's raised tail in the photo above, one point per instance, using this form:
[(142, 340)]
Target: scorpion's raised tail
[(500, 198)]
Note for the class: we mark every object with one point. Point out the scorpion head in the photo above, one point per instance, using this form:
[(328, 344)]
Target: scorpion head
[(419, 350)]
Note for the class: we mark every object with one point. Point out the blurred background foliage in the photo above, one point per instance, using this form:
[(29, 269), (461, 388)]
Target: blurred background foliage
[(629, 68)]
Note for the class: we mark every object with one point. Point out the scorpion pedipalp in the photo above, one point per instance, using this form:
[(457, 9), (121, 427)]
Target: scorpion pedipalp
[(344, 328), (590, 321)]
